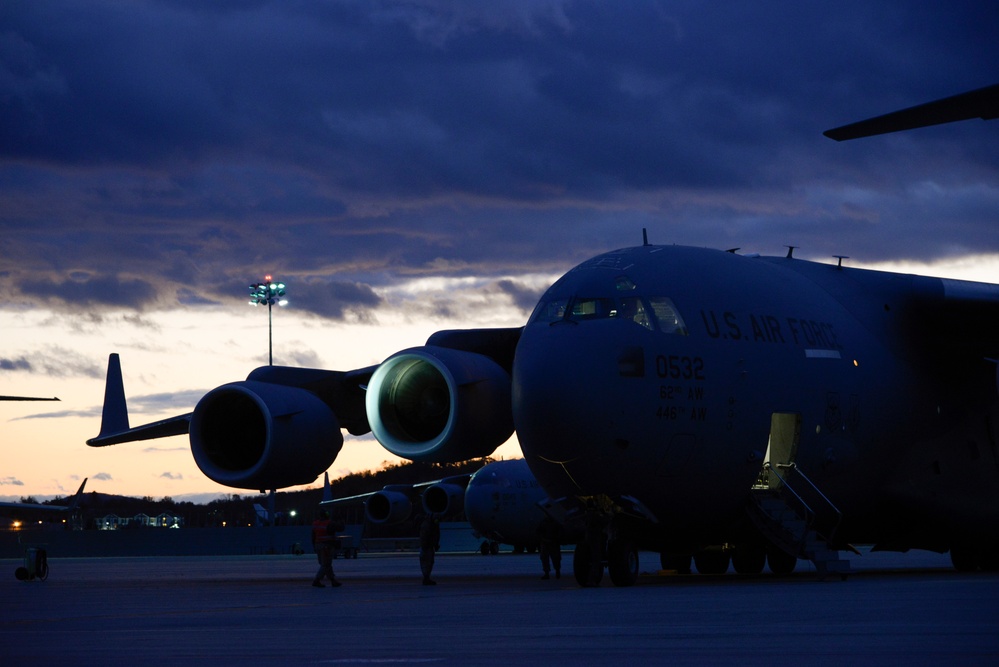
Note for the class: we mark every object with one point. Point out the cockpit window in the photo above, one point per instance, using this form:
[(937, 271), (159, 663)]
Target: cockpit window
[(667, 316), (591, 308), (550, 311), (633, 310), (653, 313)]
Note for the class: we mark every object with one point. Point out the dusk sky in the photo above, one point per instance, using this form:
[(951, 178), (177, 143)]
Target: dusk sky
[(409, 166)]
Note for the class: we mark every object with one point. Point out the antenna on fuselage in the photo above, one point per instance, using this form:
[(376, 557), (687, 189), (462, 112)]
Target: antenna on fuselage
[(790, 251), (645, 236)]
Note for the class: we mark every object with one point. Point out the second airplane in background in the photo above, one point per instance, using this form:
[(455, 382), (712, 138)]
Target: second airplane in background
[(502, 502)]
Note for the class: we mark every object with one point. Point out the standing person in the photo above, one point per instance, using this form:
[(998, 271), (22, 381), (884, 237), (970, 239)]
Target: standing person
[(324, 541), (430, 542), (550, 548)]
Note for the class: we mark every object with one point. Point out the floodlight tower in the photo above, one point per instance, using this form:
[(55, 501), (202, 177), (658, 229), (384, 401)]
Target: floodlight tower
[(268, 293)]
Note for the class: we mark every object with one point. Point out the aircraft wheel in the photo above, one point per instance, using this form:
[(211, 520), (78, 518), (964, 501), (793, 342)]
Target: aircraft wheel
[(678, 562), (623, 563), (21, 573), (583, 569), (780, 562), (749, 558), (43, 569), (711, 561)]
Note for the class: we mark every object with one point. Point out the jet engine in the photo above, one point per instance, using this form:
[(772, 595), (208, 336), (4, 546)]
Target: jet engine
[(439, 405), (257, 435), (446, 499), (388, 507)]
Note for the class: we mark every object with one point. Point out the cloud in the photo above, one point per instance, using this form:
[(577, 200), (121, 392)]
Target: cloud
[(53, 361), (523, 296), (160, 154), (20, 364), (102, 476), (175, 476), (85, 291), (334, 299), (10, 481), (165, 449)]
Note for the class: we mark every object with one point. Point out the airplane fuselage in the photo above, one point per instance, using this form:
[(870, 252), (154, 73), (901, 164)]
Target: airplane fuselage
[(501, 503), (655, 373)]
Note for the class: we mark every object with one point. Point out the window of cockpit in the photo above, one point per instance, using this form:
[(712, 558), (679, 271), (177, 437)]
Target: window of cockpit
[(591, 308), (632, 309), (550, 311), (667, 316)]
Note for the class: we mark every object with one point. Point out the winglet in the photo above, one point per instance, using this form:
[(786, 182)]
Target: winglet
[(327, 490), (114, 418), (78, 496)]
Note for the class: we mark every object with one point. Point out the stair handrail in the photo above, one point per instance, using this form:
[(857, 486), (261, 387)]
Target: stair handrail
[(829, 504), (809, 516)]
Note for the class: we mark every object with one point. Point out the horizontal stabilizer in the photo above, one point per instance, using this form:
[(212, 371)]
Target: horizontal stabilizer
[(179, 425)]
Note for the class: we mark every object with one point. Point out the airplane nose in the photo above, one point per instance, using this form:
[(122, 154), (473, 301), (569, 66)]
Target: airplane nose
[(561, 407)]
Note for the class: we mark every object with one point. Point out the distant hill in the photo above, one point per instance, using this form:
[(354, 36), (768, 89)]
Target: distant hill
[(235, 509)]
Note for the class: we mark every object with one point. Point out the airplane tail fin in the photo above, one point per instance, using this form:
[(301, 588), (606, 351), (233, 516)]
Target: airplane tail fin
[(327, 491), (114, 418), (79, 495)]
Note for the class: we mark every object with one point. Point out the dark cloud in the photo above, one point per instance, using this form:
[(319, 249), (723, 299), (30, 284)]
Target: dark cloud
[(102, 476), (54, 362), (85, 291), (356, 143), (20, 364), (10, 481), (525, 298), (333, 299)]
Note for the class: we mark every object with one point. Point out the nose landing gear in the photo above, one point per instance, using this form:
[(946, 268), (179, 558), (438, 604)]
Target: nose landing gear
[(618, 554)]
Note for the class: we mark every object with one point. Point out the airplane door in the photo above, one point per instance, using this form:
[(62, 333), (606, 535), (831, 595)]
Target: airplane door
[(785, 430)]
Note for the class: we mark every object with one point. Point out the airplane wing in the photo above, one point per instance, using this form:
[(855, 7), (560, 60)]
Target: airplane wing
[(981, 103), (396, 503), (50, 508), (26, 398), (446, 401), (115, 424)]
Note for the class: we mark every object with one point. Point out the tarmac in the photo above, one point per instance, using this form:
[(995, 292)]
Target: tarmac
[(894, 609)]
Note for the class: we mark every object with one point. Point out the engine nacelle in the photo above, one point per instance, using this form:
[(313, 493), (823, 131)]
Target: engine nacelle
[(445, 499), (439, 405), (257, 435), (388, 507)]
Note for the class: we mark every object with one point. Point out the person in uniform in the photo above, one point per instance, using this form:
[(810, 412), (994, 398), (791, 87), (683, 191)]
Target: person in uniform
[(549, 547), (430, 542), (324, 542)]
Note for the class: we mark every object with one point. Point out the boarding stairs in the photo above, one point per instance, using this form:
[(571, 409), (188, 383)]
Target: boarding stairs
[(798, 518)]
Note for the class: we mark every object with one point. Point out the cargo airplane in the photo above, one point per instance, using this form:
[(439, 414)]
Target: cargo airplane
[(21, 509), (691, 401), (502, 501), (704, 404)]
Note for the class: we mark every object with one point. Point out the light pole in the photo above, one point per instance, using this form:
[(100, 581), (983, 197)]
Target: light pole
[(268, 293)]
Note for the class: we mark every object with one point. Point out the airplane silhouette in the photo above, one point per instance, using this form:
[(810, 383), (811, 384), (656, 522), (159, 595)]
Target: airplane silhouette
[(710, 406)]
